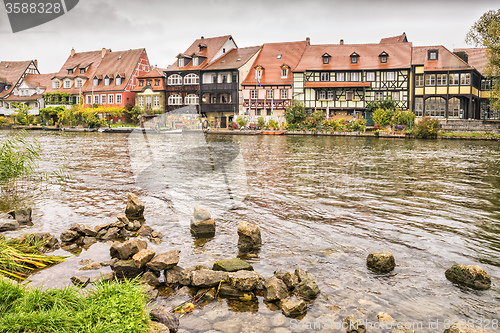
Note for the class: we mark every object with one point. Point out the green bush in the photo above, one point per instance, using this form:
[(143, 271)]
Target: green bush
[(383, 116), (427, 128), (296, 113), (261, 122), (241, 122), (272, 124), (357, 125), (3, 121), (406, 118)]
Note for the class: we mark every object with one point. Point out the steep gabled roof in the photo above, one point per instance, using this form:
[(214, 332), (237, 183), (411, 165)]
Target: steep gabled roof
[(394, 40), (399, 56), (447, 60), (272, 57), (42, 81), (210, 48), (476, 58), (155, 73), (234, 59), (11, 72)]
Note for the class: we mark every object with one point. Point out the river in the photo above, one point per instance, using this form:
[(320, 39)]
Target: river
[(323, 203)]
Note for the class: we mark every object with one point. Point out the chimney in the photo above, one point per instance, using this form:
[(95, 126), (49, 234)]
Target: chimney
[(341, 42), (103, 52), (202, 37), (73, 51), (308, 40)]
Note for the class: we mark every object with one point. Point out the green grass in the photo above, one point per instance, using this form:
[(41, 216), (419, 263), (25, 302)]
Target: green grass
[(470, 135), (18, 157), (110, 307)]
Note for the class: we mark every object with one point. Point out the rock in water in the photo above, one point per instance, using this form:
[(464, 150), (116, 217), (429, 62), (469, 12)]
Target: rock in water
[(23, 215), (293, 307), (307, 289), (203, 228), (164, 261), (249, 237), (127, 249), (201, 213), (353, 325), (80, 280), (471, 276), (244, 280), (275, 290), (207, 278), (142, 257), (126, 269), (163, 315), (232, 265), (382, 262), (135, 208), (8, 225)]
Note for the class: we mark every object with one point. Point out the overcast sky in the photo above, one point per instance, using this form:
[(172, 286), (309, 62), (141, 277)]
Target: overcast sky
[(166, 28)]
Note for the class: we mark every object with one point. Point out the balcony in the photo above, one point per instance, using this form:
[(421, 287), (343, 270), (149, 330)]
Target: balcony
[(219, 87), (219, 107), (186, 88), (259, 103)]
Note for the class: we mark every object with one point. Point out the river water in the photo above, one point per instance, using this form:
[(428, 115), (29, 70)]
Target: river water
[(323, 203)]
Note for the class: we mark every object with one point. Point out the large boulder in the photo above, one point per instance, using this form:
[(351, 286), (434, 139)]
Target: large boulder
[(150, 278), (163, 314), (126, 268), (173, 275), (202, 228), (382, 262), (249, 237), (69, 236), (142, 257), (293, 307), (8, 225), (201, 213), (275, 290), (232, 265), (244, 280), (23, 215), (127, 249), (307, 289), (471, 276), (164, 261), (135, 208), (207, 278), (290, 279)]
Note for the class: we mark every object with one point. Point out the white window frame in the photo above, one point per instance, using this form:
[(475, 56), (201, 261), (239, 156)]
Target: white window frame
[(111, 99), (95, 82), (56, 84), (195, 61), (96, 99), (156, 101), (191, 79), (104, 99), (390, 76), (419, 81), (106, 81), (141, 101), (331, 94), (370, 76), (180, 62), (78, 83), (355, 76), (324, 76), (284, 93), (465, 79), (174, 80), (340, 76), (284, 73), (258, 73), (89, 99), (149, 101), (118, 98), (175, 99), (253, 94), (191, 99), (454, 79), (379, 96), (269, 93), (67, 84), (322, 94), (118, 81), (442, 79), (395, 96)]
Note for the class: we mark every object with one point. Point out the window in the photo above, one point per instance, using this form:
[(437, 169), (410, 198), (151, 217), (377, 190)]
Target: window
[(341, 76), (143, 67), (326, 59), (141, 101), (325, 76), (225, 98), (111, 99), (78, 83), (96, 82), (454, 108), (383, 59), (148, 83), (430, 80), (395, 95), (354, 59), (269, 94), (253, 94), (174, 80), (419, 106), (67, 84), (322, 94), (180, 62), (454, 79), (419, 81), (118, 98), (118, 81), (433, 55), (485, 84), (379, 95), (195, 61), (82, 70), (284, 94), (148, 102), (70, 71), (191, 99), (191, 79), (141, 83), (390, 76), (269, 112), (89, 99), (157, 82), (257, 112), (435, 107), (175, 99), (224, 78), (284, 73), (106, 81), (331, 94), (96, 99), (157, 101), (349, 95), (355, 76), (465, 79), (56, 84), (258, 73), (370, 76), (442, 79), (103, 99)]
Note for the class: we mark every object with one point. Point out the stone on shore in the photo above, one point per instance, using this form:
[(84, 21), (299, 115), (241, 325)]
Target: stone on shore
[(127, 249), (80, 280), (385, 319), (145, 231), (232, 265), (227, 290), (135, 208), (156, 327), (150, 278), (207, 278), (108, 277), (142, 257), (307, 289), (353, 325), (8, 225), (202, 228), (123, 219), (249, 237), (164, 261), (244, 280), (173, 275), (23, 215), (163, 315), (69, 236), (275, 290), (471, 276), (293, 307), (91, 267), (88, 231), (126, 268), (382, 262)]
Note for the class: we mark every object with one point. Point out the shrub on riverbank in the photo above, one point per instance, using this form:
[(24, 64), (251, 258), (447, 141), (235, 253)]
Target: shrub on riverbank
[(18, 157), (109, 307), (427, 128)]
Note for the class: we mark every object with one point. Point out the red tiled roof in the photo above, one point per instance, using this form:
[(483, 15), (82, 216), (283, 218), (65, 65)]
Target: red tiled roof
[(234, 58), (311, 84), (447, 60), (477, 58), (269, 58), (119, 62), (399, 56), (11, 72), (155, 72), (212, 46), (13, 98), (394, 40), (43, 81)]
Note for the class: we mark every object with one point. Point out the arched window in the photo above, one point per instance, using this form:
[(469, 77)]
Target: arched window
[(174, 80), (225, 98), (191, 79), (454, 108), (175, 99), (191, 99), (435, 107)]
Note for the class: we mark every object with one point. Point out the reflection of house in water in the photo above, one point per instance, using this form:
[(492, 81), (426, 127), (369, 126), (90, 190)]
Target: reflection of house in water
[(186, 118)]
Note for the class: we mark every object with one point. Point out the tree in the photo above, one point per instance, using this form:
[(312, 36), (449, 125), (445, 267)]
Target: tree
[(486, 33), (295, 113), (22, 113), (386, 104)]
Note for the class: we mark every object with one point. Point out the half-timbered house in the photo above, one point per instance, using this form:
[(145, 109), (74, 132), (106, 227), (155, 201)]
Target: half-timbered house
[(12, 75), (30, 92), (341, 79), (183, 76)]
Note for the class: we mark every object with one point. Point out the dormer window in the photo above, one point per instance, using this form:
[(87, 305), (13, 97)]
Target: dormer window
[(70, 71), (96, 82), (82, 70), (118, 81), (148, 82), (141, 83), (180, 62), (383, 57), (284, 73), (106, 81), (78, 83), (67, 84), (157, 82), (326, 58), (55, 84), (195, 61), (354, 58), (432, 55), (258, 72)]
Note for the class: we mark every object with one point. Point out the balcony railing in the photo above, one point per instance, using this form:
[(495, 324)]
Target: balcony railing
[(259, 103), (219, 87), (192, 87), (219, 107)]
